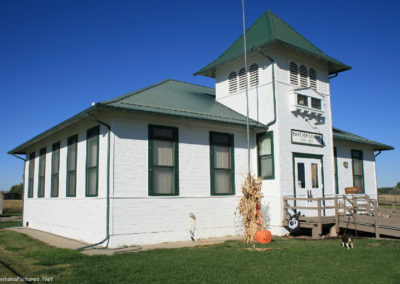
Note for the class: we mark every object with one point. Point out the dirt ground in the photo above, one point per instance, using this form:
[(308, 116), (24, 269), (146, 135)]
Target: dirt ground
[(61, 242)]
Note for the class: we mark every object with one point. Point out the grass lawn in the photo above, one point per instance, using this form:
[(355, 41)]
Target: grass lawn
[(289, 261), (389, 206), (11, 214), (9, 224)]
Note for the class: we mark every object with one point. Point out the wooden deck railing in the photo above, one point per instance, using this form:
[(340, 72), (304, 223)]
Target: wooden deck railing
[(320, 207), (343, 204), (354, 210)]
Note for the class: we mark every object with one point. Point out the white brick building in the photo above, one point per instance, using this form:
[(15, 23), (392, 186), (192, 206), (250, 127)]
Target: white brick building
[(131, 170)]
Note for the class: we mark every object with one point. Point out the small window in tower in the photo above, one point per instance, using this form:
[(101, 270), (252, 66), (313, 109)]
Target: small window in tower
[(303, 76), (242, 79), (253, 75), (294, 74), (232, 82), (302, 100), (315, 103), (313, 79)]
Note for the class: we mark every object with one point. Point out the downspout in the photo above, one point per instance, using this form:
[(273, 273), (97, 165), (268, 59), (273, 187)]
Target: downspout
[(107, 238), (23, 192), (377, 154), (273, 86)]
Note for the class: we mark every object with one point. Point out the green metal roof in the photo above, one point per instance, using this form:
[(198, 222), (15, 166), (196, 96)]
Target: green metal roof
[(182, 99), (269, 29), (179, 99), (169, 97), (339, 134)]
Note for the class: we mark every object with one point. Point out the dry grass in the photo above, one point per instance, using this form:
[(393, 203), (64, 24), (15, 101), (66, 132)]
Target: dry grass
[(389, 198), (12, 206)]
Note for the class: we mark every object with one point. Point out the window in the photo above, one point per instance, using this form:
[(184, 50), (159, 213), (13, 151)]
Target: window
[(294, 74), (336, 171), (232, 82), (242, 79), (303, 76), (71, 165), (31, 174), (315, 103), (265, 150), (314, 175), (55, 168), (253, 75), (163, 160), (42, 171), (302, 100), (358, 169), (301, 175), (222, 164), (92, 161), (313, 79)]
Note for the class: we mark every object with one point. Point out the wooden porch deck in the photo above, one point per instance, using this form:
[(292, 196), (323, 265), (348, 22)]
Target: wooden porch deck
[(355, 212)]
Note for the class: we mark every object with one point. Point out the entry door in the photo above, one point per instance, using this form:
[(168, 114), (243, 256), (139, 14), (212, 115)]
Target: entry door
[(308, 183)]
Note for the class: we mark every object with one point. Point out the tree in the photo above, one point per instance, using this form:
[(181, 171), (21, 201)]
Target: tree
[(18, 189)]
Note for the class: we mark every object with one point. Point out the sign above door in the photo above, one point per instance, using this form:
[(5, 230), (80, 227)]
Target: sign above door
[(307, 138)]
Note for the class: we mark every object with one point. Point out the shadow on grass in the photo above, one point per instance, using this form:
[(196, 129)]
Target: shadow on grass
[(288, 260)]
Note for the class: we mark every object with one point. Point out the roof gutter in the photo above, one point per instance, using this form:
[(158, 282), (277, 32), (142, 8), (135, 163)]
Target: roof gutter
[(273, 86), (107, 238)]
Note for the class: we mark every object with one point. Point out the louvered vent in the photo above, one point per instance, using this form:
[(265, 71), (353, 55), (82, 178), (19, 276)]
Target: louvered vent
[(242, 79), (313, 79), (294, 74), (232, 82), (303, 76), (253, 75)]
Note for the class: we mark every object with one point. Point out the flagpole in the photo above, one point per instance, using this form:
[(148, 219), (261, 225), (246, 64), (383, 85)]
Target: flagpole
[(247, 93)]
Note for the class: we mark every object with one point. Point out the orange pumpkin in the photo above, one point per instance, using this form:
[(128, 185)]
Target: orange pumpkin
[(263, 237)]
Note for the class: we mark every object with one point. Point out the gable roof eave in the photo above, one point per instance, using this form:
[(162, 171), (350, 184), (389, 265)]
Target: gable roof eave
[(21, 148), (334, 65), (342, 135)]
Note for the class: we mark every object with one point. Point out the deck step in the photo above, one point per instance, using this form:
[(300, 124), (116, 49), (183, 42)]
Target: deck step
[(359, 213)]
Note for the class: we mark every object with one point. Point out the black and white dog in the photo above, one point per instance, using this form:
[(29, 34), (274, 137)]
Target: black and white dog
[(293, 223), (347, 241)]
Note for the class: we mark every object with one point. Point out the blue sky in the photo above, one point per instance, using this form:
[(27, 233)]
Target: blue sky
[(57, 57)]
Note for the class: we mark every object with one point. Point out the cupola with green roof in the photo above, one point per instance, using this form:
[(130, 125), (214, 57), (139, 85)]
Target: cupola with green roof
[(269, 30)]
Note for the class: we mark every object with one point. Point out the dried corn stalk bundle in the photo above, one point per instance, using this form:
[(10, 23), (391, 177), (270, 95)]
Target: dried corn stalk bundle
[(251, 217)]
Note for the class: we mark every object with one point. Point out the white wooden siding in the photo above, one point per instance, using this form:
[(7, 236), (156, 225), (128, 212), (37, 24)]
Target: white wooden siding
[(79, 217)]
